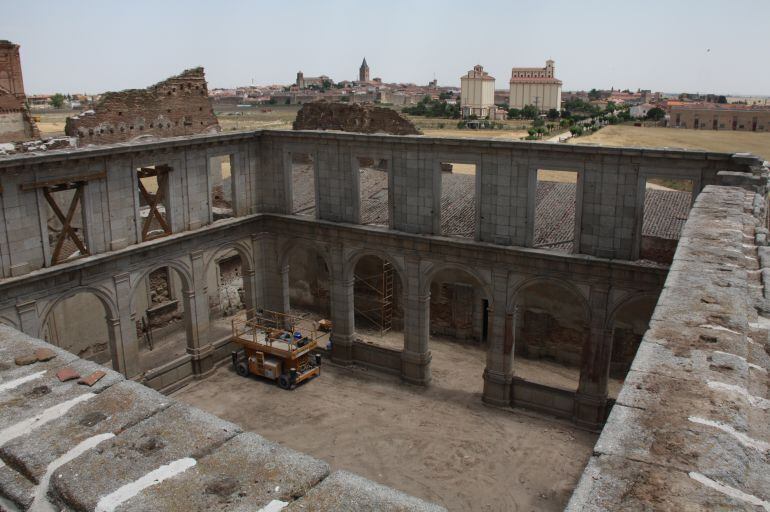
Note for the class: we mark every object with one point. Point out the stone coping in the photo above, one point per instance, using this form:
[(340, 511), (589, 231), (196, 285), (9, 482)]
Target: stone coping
[(119, 446), (691, 427)]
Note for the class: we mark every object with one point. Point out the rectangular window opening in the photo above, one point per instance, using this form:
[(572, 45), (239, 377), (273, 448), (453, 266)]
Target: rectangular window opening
[(373, 190), (303, 184), (221, 187), (555, 210), (65, 222), (666, 206), (153, 191), (458, 199)]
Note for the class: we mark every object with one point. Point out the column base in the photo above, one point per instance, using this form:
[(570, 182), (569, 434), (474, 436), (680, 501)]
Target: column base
[(415, 367), (590, 411), (497, 388), (202, 361), (342, 350)]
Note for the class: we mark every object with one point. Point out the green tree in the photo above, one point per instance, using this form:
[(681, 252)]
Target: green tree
[(553, 114), (656, 114), (537, 123), (57, 100), (721, 99), (514, 113), (529, 112), (593, 94)]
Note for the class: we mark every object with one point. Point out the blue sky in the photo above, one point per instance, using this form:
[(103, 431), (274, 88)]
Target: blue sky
[(673, 45)]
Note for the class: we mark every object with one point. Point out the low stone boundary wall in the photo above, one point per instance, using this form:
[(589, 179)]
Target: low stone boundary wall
[(691, 427), (121, 446)]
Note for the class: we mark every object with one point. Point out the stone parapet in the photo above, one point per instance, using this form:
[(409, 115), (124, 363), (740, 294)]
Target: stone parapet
[(119, 446), (689, 430)]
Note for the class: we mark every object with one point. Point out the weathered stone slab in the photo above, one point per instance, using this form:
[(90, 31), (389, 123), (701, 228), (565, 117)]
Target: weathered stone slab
[(48, 397), (176, 433), (15, 488), (17, 344), (114, 410), (346, 492), (245, 474)]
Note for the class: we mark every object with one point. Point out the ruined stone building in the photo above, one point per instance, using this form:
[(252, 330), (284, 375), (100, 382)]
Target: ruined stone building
[(155, 246), (15, 122), (179, 105)]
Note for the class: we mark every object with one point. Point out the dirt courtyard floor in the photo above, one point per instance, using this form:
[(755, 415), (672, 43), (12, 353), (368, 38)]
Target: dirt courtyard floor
[(439, 443)]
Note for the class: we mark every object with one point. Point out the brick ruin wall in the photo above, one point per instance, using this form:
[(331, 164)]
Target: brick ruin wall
[(322, 115), (16, 124), (177, 106)]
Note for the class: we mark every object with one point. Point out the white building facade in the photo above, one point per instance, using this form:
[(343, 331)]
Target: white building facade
[(477, 93), (535, 86)]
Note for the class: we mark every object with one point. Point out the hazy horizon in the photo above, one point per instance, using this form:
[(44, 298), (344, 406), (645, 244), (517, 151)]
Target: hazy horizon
[(89, 46)]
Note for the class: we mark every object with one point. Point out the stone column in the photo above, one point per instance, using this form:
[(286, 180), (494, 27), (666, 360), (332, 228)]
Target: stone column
[(498, 373), (343, 315), (126, 343), (591, 396), (197, 319), (29, 320), (273, 275), (415, 358)]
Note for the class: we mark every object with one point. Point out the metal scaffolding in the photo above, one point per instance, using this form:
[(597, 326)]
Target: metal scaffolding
[(377, 308)]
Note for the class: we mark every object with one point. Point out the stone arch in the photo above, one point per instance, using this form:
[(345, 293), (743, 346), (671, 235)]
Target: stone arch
[(354, 256), (628, 321), (460, 305), (515, 291), (365, 267), (483, 281), (308, 285), (285, 248), (90, 340), (242, 247), (551, 321), (108, 301), (181, 269), (4, 320), (230, 290)]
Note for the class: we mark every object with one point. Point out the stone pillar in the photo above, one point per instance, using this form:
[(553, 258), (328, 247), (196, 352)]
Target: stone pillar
[(415, 358), (591, 396), (29, 320), (126, 343), (498, 373), (196, 306), (342, 308), (272, 274)]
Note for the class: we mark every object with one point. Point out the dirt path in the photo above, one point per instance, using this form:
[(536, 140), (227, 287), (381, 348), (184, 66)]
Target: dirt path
[(439, 443)]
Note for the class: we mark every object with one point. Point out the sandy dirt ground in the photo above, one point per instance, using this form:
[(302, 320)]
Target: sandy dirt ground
[(439, 443), (475, 134), (710, 140)]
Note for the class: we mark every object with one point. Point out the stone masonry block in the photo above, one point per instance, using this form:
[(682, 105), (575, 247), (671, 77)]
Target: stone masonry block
[(245, 474), (175, 433)]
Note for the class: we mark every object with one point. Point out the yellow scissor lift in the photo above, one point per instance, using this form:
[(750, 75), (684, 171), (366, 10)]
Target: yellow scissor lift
[(273, 347)]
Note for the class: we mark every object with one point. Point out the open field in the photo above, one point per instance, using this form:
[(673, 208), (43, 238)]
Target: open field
[(268, 117), (439, 443), (51, 123), (729, 141)]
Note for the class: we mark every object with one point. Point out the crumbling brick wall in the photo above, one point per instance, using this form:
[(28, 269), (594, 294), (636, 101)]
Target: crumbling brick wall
[(16, 124), (177, 106), (322, 115)]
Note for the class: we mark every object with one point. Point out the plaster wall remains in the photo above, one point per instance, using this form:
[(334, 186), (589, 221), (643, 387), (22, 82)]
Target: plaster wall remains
[(179, 105)]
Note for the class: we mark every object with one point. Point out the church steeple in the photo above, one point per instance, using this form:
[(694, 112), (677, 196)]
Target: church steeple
[(363, 72)]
